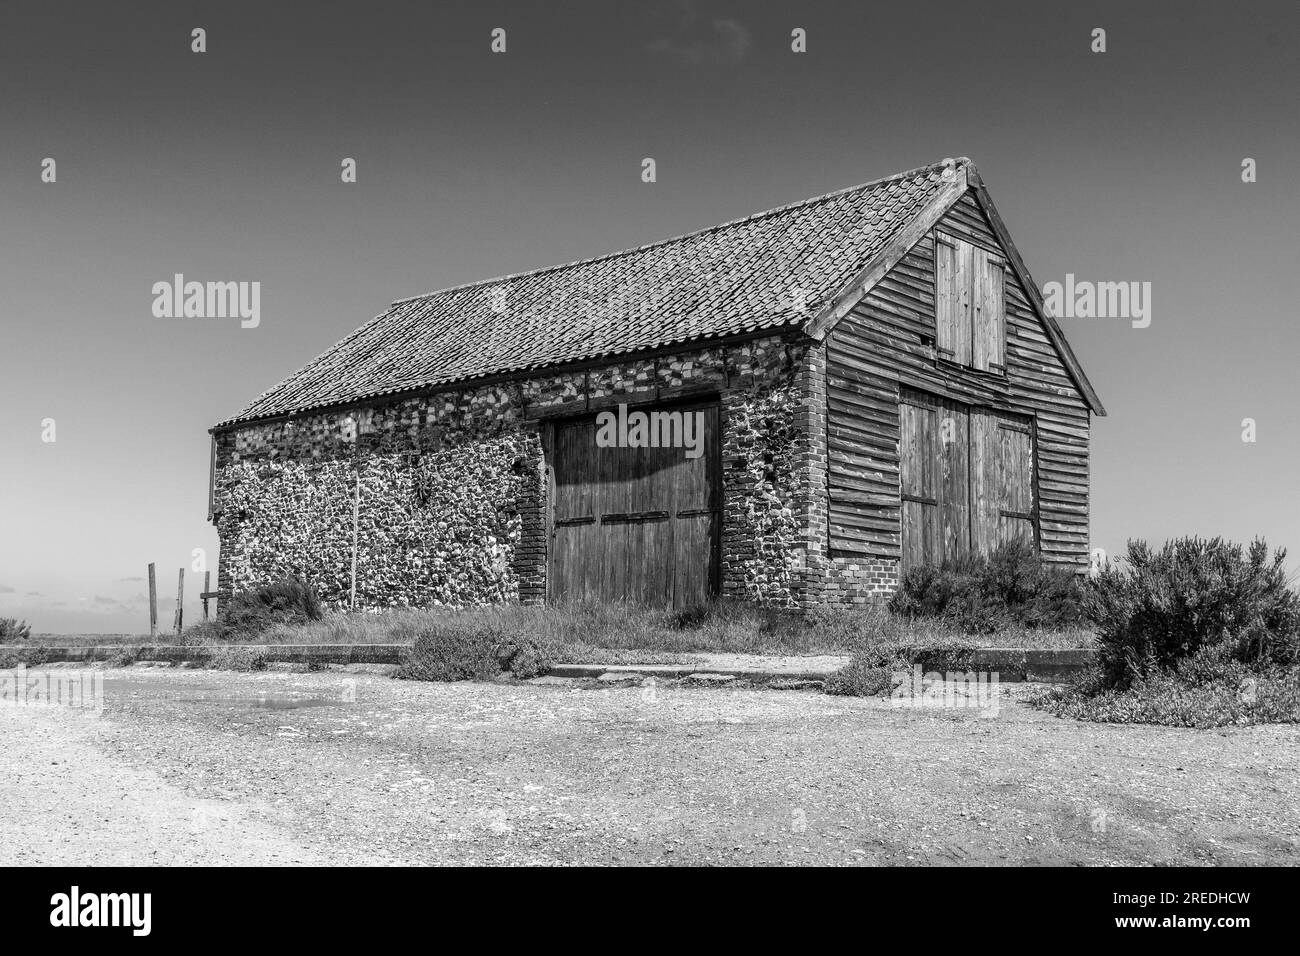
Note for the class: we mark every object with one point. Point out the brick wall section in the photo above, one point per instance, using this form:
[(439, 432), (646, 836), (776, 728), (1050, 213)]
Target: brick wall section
[(452, 507), (810, 473), (858, 581)]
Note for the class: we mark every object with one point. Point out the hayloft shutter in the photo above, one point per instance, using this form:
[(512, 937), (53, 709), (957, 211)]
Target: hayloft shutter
[(969, 324), (952, 300), (988, 325)]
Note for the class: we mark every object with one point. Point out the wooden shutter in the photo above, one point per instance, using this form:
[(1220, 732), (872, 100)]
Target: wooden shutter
[(970, 326), (952, 263), (988, 323)]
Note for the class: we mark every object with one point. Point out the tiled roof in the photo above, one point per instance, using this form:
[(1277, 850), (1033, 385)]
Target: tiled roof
[(743, 276)]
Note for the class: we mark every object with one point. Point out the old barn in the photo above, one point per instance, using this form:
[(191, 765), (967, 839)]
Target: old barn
[(869, 377)]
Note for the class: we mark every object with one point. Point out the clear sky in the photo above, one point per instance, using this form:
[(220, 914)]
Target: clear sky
[(225, 165)]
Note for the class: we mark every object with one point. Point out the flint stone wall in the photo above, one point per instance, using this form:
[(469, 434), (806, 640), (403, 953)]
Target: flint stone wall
[(449, 487)]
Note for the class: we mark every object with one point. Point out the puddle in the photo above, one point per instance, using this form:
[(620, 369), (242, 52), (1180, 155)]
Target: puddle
[(124, 686), (210, 694), (288, 703)]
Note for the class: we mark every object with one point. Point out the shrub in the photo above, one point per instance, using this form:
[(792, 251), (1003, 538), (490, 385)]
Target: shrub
[(12, 629), (474, 646), (28, 656), (982, 594), (1234, 694), (859, 679), (524, 657), (202, 634), (870, 669), (246, 615), (236, 658), (1201, 633), (123, 657), (1208, 601)]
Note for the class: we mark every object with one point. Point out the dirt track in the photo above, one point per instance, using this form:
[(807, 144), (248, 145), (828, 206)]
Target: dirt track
[(213, 767)]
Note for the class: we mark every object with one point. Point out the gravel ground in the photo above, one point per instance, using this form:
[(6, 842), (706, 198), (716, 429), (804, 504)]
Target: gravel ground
[(188, 766)]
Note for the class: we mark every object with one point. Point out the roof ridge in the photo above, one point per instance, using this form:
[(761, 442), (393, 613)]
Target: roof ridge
[(528, 273)]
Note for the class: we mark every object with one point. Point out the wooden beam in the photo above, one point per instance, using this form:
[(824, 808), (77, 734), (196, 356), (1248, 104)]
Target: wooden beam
[(180, 601), (212, 474)]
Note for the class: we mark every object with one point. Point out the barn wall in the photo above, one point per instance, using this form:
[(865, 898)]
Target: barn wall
[(888, 341), (451, 504), (449, 490)]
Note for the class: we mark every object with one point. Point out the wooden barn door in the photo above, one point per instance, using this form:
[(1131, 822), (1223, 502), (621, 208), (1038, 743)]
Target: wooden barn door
[(934, 473), (1002, 471), (634, 524), (966, 477)]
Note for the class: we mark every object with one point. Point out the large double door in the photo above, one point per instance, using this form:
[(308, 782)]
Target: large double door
[(638, 524), (966, 476)]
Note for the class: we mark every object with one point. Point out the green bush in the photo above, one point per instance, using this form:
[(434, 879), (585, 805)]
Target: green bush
[(525, 657), (247, 615), (474, 646), (12, 629), (868, 673), (236, 658), (123, 657), (859, 678), (982, 594), (1194, 599), (1234, 693), (1201, 633), (29, 656)]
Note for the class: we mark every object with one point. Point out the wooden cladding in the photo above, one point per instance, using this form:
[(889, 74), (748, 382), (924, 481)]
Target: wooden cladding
[(887, 343), (970, 314), (633, 524), (966, 479)]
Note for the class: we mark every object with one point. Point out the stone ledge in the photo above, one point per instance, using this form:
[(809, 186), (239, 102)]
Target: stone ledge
[(192, 653)]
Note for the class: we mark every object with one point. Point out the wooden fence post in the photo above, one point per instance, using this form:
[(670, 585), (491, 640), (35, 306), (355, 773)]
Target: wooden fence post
[(207, 586), (180, 599), (153, 604)]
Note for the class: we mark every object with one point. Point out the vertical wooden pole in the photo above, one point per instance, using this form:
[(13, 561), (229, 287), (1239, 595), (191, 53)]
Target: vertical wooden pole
[(207, 588), (356, 515), (180, 600), (153, 604)]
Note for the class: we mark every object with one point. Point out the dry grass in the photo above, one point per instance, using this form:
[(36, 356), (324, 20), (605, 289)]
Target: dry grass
[(722, 627), (621, 633)]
